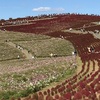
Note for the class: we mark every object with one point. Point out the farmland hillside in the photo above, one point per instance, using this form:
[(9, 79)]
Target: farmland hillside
[(60, 61)]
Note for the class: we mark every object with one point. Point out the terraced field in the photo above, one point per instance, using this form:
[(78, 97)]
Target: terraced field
[(18, 74), (47, 72)]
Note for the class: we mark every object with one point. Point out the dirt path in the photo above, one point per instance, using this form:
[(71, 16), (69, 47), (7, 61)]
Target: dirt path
[(27, 54)]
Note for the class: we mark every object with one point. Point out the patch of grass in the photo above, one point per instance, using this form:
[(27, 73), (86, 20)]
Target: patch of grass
[(43, 48), (7, 52), (17, 36)]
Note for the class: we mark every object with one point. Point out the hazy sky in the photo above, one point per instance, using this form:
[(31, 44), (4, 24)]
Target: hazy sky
[(22, 8)]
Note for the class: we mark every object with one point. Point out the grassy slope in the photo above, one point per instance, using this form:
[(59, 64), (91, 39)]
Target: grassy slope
[(43, 48), (7, 52), (19, 73)]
